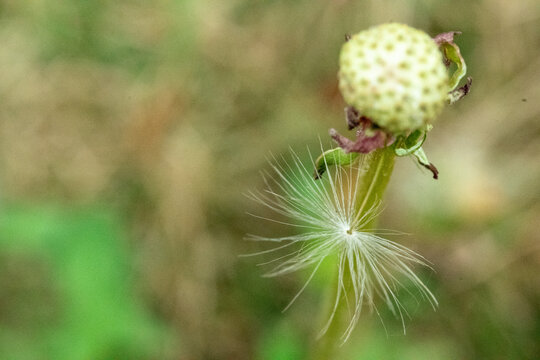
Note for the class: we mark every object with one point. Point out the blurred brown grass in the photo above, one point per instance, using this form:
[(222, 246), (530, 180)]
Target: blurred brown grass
[(167, 110)]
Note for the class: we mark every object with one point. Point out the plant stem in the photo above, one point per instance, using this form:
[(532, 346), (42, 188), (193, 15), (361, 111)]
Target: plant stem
[(379, 167), (372, 184)]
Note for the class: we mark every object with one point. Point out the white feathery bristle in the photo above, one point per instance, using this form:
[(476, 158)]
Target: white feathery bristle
[(327, 224)]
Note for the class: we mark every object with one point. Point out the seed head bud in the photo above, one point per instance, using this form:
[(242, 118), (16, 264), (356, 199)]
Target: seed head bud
[(394, 75)]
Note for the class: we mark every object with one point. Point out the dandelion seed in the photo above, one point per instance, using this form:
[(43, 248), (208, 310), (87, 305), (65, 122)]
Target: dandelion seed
[(329, 223)]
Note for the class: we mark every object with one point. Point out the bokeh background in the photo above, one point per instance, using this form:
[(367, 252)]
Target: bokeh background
[(130, 130)]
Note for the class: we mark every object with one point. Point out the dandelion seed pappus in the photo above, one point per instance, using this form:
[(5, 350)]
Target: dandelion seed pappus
[(326, 223)]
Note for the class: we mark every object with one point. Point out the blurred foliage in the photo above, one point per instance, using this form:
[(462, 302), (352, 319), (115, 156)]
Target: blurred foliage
[(66, 288), (129, 131)]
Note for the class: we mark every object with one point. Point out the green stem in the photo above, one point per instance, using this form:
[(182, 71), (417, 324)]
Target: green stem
[(378, 169)]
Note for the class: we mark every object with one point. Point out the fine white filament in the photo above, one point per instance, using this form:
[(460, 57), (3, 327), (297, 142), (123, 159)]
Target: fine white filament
[(327, 223)]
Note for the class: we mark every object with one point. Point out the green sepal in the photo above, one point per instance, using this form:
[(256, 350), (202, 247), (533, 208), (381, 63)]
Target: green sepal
[(452, 54), (336, 156), (422, 159), (410, 144), (421, 156)]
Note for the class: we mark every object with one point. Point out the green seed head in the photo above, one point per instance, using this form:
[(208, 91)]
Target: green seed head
[(394, 75)]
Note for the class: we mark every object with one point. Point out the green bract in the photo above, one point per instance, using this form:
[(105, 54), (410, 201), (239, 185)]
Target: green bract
[(394, 75)]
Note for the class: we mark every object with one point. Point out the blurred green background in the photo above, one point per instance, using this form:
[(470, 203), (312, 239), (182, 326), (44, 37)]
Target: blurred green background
[(130, 129)]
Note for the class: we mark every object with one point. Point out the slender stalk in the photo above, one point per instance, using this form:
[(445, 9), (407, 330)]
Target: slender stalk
[(378, 169)]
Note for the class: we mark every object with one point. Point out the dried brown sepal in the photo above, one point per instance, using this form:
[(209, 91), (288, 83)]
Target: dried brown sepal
[(446, 37), (433, 170), (459, 93), (354, 119), (363, 144)]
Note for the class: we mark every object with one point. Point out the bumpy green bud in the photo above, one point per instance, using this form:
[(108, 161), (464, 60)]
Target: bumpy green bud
[(394, 75)]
